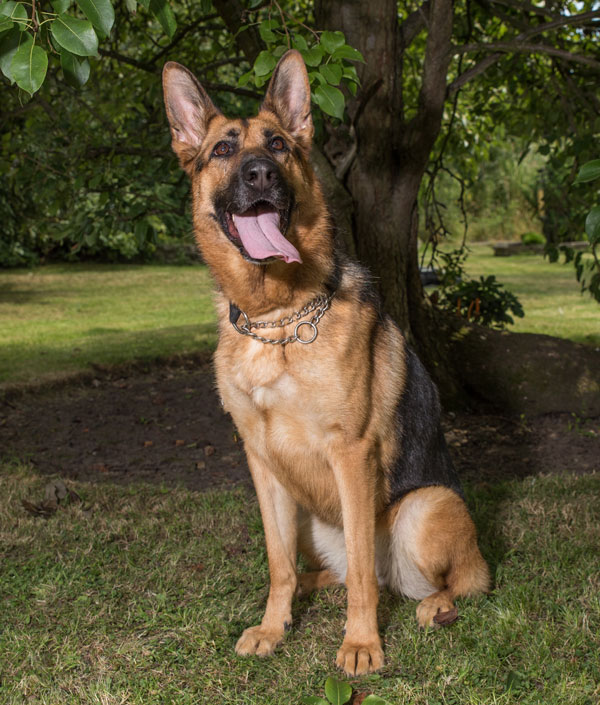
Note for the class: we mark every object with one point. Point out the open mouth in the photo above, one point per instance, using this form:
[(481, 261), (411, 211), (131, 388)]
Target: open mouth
[(258, 233)]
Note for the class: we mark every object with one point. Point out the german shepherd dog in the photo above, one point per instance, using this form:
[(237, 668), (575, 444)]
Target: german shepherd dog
[(340, 420)]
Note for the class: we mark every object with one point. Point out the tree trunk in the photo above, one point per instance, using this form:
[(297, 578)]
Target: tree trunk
[(392, 155)]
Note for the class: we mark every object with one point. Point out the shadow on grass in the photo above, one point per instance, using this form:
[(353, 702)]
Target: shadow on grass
[(99, 347)]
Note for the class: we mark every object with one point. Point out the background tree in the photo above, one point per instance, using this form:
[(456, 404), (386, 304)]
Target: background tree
[(89, 171)]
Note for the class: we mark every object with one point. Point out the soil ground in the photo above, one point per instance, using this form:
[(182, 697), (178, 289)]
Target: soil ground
[(165, 425)]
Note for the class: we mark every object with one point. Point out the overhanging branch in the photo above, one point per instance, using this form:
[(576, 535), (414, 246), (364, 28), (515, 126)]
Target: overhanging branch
[(516, 47)]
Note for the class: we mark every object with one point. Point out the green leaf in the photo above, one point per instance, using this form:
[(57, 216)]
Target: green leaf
[(265, 29), (349, 53), (15, 11), (6, 24), (100, 13), (589, 172), (61, 6), (313, 56), (76, 36), (245, 78), (337, 692), (299, 43), (374, 700), (330, 100), (316, 76), (264, 64), (592, 224), (332, 73), (29, 66), (131, 6), (164, 14), (75, 68), (314, 700), (330, 41), (8, 48), (350, 73)]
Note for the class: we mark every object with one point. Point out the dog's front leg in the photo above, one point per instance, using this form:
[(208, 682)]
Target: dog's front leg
[(278, 512), (354, 470)]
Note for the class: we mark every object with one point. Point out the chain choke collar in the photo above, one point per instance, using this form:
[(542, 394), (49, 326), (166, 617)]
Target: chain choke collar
[(318, 306)]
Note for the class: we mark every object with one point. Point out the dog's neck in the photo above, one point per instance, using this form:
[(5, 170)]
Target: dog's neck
[(259, 290)]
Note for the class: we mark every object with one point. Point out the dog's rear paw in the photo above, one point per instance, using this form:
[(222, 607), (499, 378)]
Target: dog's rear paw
[(437, 610), (356, 659), (259, 641)]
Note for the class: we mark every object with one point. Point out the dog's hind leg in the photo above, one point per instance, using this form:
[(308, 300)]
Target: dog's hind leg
[(315, 580), (324, 550), (278, 511), (433, 554)]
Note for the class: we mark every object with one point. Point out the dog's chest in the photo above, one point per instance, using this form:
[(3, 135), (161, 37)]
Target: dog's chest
[(285, 416), (275, 398)]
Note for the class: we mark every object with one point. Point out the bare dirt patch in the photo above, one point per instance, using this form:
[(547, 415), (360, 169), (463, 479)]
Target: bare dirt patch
[(166, 426)]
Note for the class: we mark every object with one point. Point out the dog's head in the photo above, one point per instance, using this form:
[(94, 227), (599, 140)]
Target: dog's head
[(252, 184)]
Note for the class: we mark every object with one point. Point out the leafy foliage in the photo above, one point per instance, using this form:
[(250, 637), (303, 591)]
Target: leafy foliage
[(482, 300), (326, 54), (587, 269), (88, 169), (339, 692), (34, 34)]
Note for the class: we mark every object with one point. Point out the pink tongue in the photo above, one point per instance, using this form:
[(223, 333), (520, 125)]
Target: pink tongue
[(259, 231)]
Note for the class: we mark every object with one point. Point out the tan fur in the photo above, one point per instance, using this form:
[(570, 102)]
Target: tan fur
[(318, 421)]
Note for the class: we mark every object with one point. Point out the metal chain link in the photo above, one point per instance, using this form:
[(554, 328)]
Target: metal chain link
[(319, 305)]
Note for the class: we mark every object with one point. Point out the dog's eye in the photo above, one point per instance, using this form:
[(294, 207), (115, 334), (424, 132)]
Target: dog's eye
[(221, 149), (277, 144)]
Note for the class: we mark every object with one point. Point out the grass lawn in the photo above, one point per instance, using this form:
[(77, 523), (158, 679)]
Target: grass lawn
[(137, 596), (549, 293), (59, 319)]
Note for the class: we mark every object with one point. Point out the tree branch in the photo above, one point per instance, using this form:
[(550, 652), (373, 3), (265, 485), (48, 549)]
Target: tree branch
[(179, 36), (525, 7), (121, 58), (472, 73), (528, 48), (424, 128), (413, 24), (518, 45)]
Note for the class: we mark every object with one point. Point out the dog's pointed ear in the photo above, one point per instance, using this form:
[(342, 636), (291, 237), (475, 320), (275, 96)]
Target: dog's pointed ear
[(288, 96), (189, 110)]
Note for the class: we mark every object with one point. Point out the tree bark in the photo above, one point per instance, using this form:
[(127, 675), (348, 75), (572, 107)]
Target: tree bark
[(392, 155)]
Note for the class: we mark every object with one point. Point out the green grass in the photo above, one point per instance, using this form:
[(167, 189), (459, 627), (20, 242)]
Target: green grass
[(60, 319), (138, 595), (549, 293)]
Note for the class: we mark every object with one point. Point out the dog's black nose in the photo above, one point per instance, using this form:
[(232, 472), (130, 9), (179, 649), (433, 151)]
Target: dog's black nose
[(260, 174)]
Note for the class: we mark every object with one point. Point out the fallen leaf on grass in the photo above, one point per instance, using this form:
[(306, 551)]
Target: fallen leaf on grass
[(55, 494), (179, 442), (147, 444), (358, 698), (209, 450)]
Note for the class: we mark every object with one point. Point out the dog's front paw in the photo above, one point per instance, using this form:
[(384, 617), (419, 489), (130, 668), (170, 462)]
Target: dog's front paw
[(259, 641), (356, 659)]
